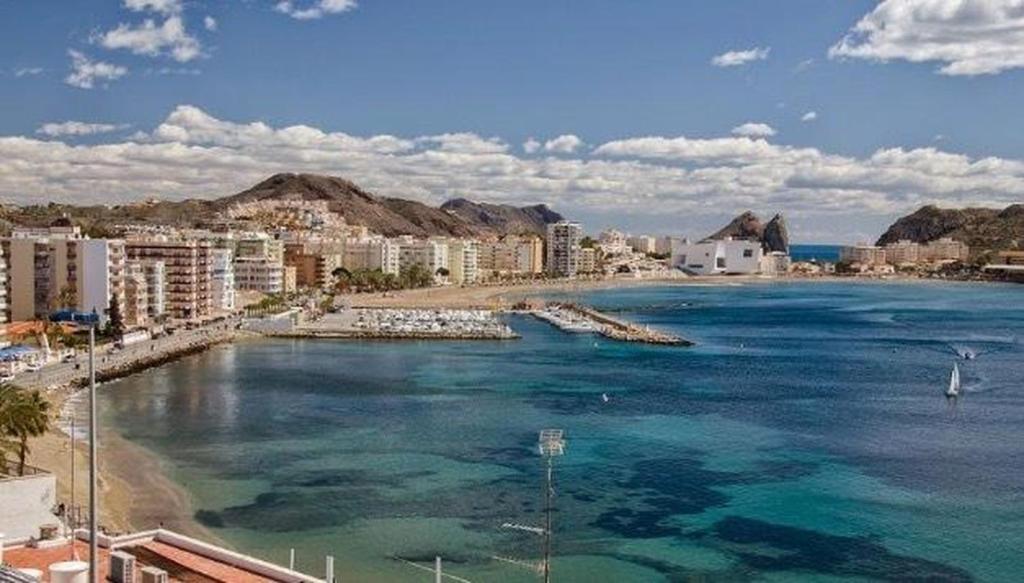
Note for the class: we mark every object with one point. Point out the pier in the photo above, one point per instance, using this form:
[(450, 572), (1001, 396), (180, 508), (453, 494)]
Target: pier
[(577, 318)]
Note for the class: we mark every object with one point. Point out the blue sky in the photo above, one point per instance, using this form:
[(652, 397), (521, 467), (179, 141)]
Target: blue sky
[(606, 73)]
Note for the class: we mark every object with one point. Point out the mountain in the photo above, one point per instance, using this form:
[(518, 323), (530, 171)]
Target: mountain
[(387, 216), (774, 236), (503, 218), (985, 230)]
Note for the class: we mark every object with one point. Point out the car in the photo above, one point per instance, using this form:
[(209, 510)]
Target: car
[(6, 378), (33, 367), (69, 358)]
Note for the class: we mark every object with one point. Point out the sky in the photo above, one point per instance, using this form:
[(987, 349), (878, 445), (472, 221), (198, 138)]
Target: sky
[(661, 116)]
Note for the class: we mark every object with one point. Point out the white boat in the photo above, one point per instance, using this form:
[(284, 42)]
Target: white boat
[(954, 383)]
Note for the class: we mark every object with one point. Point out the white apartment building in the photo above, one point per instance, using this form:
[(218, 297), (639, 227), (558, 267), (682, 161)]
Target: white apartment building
[(463, 261), (613, 242), (563, 248), (222, 280), (718, 257), (101, 264), (259, 274), (431, 254)]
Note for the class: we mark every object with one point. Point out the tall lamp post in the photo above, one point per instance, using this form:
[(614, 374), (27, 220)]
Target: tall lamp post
[(551, 445), (93, 506)]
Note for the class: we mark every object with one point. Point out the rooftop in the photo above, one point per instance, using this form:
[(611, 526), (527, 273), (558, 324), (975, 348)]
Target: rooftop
[(184, 559)]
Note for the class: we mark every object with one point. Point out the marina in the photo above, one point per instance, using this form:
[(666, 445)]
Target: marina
[(398, 323)]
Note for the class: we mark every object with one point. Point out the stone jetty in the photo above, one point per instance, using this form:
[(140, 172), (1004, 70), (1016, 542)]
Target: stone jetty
[(584, 319)]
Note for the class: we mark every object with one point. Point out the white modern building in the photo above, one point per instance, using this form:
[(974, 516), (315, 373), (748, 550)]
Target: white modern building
[(222, 280), (724, 257), (563, 248)]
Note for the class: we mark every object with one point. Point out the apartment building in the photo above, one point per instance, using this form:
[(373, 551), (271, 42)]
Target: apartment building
[(642, 244), (155, 275), (903, 251), (945, 249), (56, 268), (261, 274), (222, 280), (188, 272), (563, 248), (136, 295), (863, 254), (372, 254), (430, 254), (613, 242), (663, 246), (463, 261), (3, 295), (588, 260)]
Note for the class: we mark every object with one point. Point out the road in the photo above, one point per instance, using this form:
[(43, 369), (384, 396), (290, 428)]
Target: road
[(109, 359)]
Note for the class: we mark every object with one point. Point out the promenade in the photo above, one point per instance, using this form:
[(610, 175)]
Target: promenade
[(112, 363)]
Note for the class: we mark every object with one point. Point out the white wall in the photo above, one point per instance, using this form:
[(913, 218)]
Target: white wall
[(94, 276), (26, 503)]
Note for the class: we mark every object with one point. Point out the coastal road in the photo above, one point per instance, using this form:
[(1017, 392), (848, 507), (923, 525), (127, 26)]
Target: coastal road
[(110, 359)]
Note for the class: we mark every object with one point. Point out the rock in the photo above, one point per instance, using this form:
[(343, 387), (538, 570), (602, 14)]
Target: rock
[(776, 236)]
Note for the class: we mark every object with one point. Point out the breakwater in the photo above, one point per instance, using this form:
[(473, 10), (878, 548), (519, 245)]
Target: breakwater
[(583, 319)]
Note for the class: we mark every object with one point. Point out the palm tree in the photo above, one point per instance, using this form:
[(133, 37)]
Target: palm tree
[(22, 415)]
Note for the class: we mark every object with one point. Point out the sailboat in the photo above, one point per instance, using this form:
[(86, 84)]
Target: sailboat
[(954, 383)]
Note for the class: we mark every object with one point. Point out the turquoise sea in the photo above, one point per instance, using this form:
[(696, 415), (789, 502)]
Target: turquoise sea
[(805, 438)]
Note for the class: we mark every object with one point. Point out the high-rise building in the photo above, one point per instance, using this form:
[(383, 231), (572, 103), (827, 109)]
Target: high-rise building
[(188, 271), (462, 261), (3, 295), (563, 248), (155, 275), (588, 260), (261, 274), (222, 279)]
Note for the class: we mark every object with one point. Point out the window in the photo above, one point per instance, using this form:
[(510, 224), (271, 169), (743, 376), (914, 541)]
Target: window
[(720, 262), (748, 252)]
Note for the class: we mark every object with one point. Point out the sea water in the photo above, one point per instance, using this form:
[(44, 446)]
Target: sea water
[(804, 438)]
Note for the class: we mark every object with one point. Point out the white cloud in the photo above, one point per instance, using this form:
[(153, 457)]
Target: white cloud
[(210, 23), (687, 184), (151, 39), (85, 72), (564, 144), (737, 58), (530, 146), (315, 9), (78, 128), (162, 6), (970, 37), (809, 116), (754, 130), (27, 71), (803, 65)]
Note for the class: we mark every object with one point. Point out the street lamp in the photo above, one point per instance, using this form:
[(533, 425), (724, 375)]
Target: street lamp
[(551, 445)]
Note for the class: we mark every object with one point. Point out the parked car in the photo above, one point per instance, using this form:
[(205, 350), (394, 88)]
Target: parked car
[(6, 377)]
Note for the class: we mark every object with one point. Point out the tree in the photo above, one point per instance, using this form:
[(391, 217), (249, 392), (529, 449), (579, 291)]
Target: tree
[(588, 242), (115, 321), (22, 415), (443, 272), (67, 298)]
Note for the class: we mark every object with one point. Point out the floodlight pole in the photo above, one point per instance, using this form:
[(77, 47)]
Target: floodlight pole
[(93, 547)]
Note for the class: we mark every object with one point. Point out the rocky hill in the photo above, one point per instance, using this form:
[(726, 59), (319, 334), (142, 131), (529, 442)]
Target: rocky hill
[(774, 236), (387, 216), (985, 230)]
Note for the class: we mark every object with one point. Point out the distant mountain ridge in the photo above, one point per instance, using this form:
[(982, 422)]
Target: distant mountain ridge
[(386, 216), (985, 230), (773, 235)]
